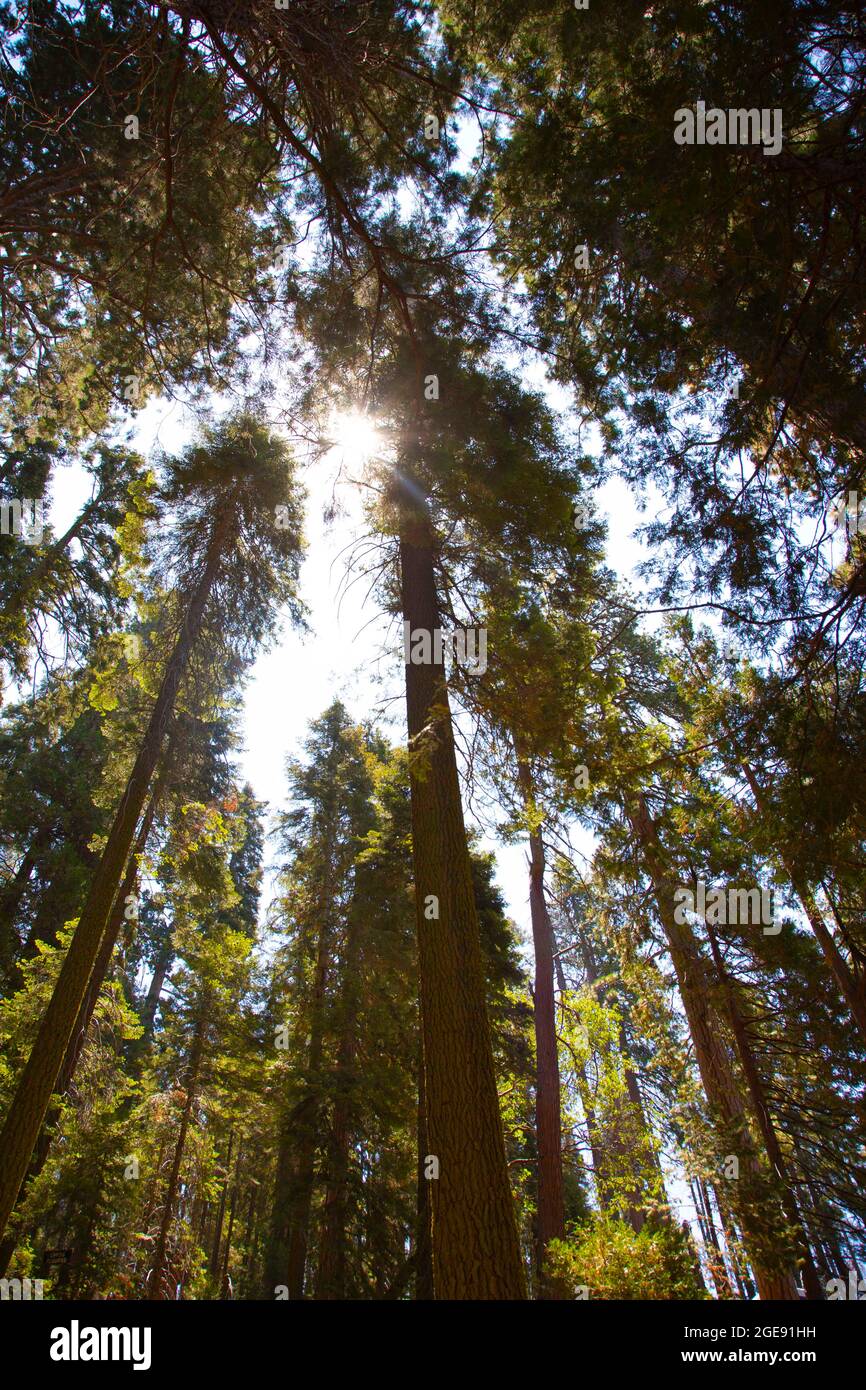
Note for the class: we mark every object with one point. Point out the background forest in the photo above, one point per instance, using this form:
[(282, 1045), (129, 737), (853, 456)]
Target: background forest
[(440, 279)]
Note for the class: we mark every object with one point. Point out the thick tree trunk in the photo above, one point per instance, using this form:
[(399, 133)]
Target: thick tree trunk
[(548, 1115), (476, 1253), (775, 1280), (33, 1094)]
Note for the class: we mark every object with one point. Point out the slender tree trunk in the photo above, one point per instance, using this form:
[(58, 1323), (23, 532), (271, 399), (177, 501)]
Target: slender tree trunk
[(715, 1258), (303, 1128), (33, 1094), (224, 1272), (293, 1195), (79, 1033), (157, 1273), (624, 1131), (221, 1209), (249, 1240), (476, 1253), (852, 986), (733, 1245), (331, 1274), (550, 1224), (49, 557), (12, 893), (154, 994), (811, 1281), (775, 1281)]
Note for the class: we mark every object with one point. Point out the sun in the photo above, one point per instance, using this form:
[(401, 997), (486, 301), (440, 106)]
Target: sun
[(355, 435)]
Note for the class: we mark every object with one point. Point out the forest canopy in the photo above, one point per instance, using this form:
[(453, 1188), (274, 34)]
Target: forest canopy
[(535, 333)]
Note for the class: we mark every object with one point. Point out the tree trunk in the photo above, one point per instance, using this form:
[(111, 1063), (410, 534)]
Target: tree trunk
[(331, 1273), (155, 1290), (775, 1280), (476, 1253), (715, 1258), (852, 987), (221, 1211), (623, 1130), (811, 1281), (79, 1033), (548, 1116), (224, 1272), (293, 1195), (11, 894), (33, 1094)]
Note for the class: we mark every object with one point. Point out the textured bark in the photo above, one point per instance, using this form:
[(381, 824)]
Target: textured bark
[(714, 1064), (30, 1102), (423, 1224), (550, 1221), (476, 1254)]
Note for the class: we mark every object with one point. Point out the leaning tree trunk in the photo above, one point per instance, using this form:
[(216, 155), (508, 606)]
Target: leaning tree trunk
[(476, 1253), (773, 1275), (712, 1248), (852, 987), (82, 1023), (33, 1094), (811, 1278), (548, 1116), (11, 895)]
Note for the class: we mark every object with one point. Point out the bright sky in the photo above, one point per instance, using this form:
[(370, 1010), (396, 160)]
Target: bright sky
[(351, 650)]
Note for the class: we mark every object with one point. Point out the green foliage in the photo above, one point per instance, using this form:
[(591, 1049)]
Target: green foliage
[(607, 1258)]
